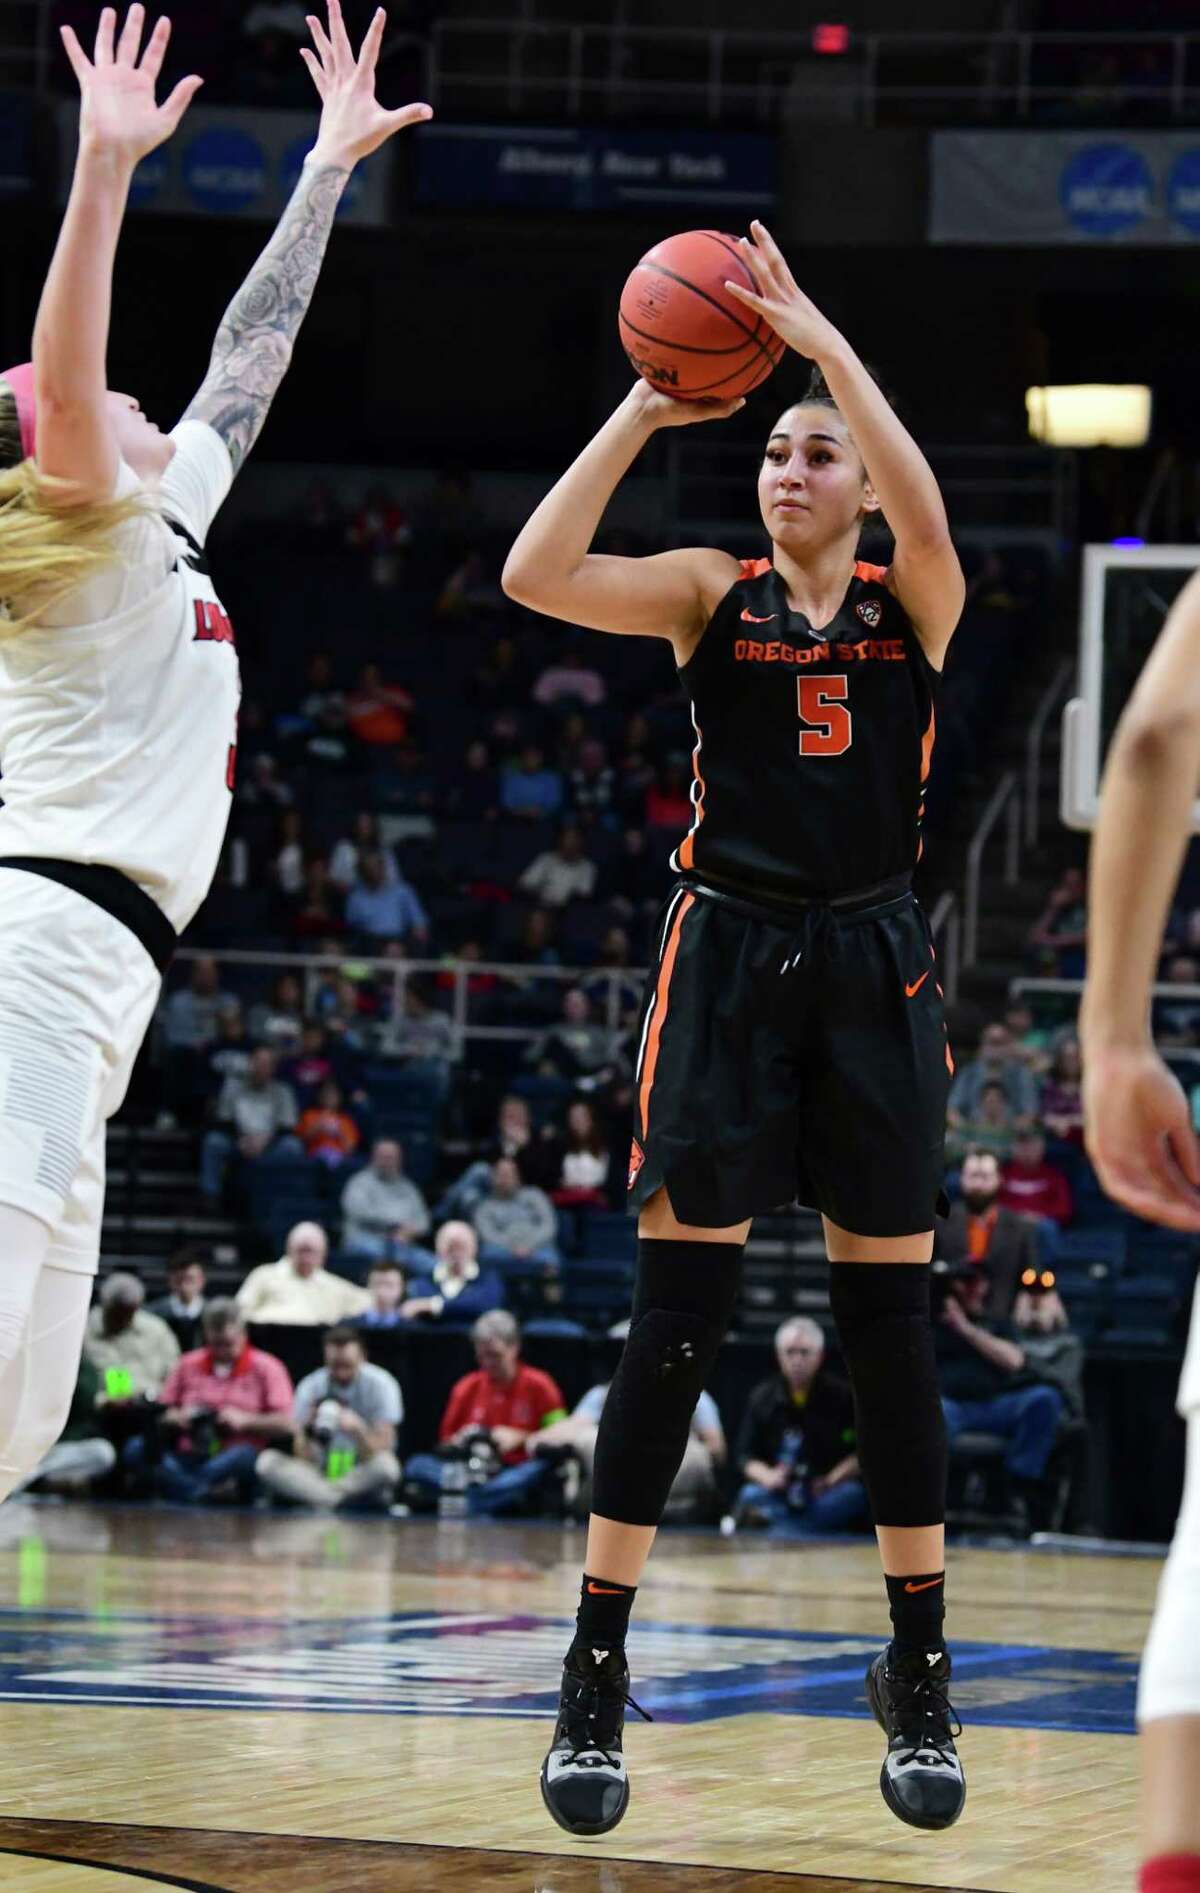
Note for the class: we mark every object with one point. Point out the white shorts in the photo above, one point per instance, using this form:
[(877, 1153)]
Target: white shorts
[(77, 992)]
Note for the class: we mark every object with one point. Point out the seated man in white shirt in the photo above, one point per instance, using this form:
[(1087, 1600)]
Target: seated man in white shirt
[(298, 1291), (694, 1493), (347, 1418)]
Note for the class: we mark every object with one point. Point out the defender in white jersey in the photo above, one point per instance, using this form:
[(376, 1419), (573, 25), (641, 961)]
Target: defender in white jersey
[(118, 679), (1140, 1138)]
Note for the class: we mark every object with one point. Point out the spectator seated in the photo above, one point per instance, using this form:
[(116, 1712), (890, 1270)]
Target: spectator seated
[(456, 1290), (298, 1290), (346, 1428), (508, 1403), (795, 1460), (224, 1403)]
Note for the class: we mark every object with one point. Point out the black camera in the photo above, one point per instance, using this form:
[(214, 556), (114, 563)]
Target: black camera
[(202, 1431)]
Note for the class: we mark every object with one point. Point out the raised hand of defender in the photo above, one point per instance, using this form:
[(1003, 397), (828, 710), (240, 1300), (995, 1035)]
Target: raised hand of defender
[(353, 122), (1139, 1135), (781, 301), (119, 113)]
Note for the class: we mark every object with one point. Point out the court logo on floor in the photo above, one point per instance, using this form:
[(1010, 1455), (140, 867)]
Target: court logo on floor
[(486, 1665)]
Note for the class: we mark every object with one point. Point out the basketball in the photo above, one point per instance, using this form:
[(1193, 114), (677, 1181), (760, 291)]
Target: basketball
[(683, 331)]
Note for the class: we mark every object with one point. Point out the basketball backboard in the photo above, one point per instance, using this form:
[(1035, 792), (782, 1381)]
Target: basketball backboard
[(1127, 593)]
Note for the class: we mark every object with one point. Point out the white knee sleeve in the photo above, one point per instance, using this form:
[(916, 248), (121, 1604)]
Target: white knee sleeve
[(1170, 1678), (24, 1241), (36, 1389)]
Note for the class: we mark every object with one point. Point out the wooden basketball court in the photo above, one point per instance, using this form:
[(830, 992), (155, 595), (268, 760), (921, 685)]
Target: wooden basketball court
[(234, 1702)]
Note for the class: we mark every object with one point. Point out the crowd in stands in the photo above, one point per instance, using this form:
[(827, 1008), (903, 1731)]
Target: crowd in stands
[(183, 1400)]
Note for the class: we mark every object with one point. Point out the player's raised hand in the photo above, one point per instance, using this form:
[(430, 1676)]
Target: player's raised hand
[(119, 113), (655, 409), (353, 122), (1139, 1134), (781, 301)]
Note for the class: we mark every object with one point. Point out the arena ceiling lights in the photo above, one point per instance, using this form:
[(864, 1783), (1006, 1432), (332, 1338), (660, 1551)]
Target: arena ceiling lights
[(1090, 414)]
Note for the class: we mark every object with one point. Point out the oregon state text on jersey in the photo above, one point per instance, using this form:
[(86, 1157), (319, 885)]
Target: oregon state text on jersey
[(812, 747), (118, 710)]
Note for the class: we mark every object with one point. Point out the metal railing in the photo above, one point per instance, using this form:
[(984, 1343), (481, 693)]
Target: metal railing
[(621, 71), (945, 924), (1006, 802), (1033, 986), (391, 976), (1048, 702)]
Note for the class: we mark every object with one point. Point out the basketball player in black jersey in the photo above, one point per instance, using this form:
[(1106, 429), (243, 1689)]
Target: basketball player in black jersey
[(792, 1040)]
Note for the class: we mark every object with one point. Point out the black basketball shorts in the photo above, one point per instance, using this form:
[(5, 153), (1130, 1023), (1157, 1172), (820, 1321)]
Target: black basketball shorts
[(792, 1058)]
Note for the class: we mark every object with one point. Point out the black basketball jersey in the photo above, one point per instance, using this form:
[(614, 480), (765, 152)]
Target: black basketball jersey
[(812, 747)]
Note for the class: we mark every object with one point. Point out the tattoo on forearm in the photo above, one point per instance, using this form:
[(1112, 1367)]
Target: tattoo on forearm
[(254, 342)]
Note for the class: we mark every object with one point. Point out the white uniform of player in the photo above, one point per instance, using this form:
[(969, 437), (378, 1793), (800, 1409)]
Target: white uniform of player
[(118, 727), (1169, 1681)]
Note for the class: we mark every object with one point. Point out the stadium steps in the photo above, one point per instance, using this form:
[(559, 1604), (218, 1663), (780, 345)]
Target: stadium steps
[(152, 1203), (785, 1273)]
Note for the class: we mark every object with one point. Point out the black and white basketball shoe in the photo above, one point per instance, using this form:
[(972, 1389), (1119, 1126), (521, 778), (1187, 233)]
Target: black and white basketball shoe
[(922, 1778), (584, 1780)]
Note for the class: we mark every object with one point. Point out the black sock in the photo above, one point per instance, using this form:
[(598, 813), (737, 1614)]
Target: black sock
[(918, 1607), (603, 1619)]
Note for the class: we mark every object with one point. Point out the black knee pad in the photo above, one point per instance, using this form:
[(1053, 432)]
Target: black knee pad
[(682, 1307), (883, 1321)]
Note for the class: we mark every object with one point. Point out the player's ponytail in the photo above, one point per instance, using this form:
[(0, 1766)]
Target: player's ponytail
[(819, 396), (47, 546)]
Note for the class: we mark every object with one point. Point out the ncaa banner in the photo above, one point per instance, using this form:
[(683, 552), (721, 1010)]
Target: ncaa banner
[(230, 163), (579, 168), (1065, 187)]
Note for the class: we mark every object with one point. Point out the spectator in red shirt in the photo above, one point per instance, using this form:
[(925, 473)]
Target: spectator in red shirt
[(1032, 1186), (508, 1403), (225, 1402)]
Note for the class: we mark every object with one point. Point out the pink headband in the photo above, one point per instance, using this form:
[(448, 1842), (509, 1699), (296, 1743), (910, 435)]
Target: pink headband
[(19, 382)]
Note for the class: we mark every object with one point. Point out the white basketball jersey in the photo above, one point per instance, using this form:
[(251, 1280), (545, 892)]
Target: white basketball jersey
[(118, 710)]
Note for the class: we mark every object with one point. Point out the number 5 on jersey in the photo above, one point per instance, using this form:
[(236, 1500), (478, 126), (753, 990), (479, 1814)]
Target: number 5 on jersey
[(822, 707)]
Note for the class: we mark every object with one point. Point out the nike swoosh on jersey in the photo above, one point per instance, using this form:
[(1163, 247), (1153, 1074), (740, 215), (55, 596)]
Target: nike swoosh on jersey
[(748, 617), (927, 1586), (910, 992)]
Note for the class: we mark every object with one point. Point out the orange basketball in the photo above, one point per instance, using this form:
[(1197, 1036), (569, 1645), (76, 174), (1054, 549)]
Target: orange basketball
[(683, 331)]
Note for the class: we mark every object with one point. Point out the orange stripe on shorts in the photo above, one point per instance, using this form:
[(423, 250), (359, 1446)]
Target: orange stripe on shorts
[(658, 1017)]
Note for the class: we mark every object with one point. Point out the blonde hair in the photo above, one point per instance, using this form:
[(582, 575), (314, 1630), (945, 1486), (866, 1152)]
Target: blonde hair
[(47, 545)]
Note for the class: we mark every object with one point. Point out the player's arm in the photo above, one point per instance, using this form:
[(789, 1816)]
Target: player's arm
[(1137, 1123), (254, 342), (926, 576), (119, 122), (550, 568)]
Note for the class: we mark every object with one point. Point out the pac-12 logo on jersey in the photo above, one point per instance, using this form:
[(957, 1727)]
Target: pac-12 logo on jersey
[(212, 625), (870, 611), (637, 1158)]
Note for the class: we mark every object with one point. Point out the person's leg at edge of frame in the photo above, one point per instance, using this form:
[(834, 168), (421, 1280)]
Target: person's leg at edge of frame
[(1169, 1706), (879, 1294), (686, 1286)]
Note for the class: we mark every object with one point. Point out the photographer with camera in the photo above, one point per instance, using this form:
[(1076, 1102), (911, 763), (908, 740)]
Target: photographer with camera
[(490, 1419), (347, 1418), (224, 1402), (986, 1383)]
